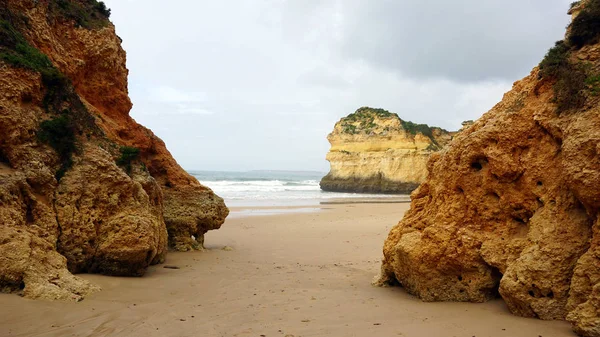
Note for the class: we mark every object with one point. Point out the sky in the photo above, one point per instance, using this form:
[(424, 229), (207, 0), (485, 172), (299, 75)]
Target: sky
[(240, 85)]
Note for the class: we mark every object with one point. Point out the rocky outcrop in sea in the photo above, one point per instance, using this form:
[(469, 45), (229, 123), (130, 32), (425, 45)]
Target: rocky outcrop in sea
[(374, 151)]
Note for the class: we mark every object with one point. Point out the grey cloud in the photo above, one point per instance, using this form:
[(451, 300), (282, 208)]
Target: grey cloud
[(468, 40)]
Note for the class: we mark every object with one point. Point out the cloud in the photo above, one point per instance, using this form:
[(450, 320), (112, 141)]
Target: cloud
[(466, 41)]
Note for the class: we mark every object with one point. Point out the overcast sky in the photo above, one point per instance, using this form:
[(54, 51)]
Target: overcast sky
[(258, 84)]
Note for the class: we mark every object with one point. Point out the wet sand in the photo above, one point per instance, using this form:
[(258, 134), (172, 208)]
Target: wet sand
[(283, 274)]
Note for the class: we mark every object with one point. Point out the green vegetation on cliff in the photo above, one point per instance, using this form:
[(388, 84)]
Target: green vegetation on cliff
[(363, 121), (60, 135), (414, 128), (574, 79), (70, 117), (16, 51), (365, 117), (128, 155), (585, 28), (89, 14)]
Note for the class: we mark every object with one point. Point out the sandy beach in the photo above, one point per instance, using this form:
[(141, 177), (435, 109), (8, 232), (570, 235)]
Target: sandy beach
[(304, 273)]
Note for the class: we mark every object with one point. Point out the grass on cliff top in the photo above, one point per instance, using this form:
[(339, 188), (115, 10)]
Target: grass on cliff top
[(89, 14), (574, 80), (366, 117), (585, 28), (414, 128)]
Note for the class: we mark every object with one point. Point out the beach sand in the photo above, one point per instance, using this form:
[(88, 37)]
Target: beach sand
[(287, 274)]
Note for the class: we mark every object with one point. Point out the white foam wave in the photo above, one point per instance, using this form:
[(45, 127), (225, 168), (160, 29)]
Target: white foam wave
[(261, 186)]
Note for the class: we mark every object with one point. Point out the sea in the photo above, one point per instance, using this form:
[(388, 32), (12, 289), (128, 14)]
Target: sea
[(273, 188)]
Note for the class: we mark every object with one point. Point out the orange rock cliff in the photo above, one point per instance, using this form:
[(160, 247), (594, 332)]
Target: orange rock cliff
[(83, 187), (511, 206)]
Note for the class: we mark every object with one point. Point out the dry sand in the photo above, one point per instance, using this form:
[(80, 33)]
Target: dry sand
[(305, 274)]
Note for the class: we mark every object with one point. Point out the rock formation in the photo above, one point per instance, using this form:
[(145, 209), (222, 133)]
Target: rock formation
[(83, 187), (374, 151), (511, 206)]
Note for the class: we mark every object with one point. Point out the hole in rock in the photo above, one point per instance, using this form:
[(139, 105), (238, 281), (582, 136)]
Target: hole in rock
[(22, 285), (531, 293), (519, 220), (3, 158), (550, 294), (29, 213), (460, 278), (26, 98), (539, 183), (479, 163), (477, 166), (460, 189), (168, 184), (496, 276)]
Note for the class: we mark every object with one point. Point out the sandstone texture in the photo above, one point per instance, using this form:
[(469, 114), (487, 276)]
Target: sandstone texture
[(374, 151), (83, 187), (511, 206)]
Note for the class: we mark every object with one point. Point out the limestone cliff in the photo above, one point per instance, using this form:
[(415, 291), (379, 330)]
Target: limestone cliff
[(511, 206), (83, 187), (374, 151)]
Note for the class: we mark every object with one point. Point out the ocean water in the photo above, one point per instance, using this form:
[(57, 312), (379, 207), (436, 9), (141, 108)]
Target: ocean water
[(272, 188)]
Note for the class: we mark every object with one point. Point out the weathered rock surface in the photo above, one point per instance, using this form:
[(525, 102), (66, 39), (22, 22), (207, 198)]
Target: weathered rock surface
[(69, 202), (374, 151), (511, 207)]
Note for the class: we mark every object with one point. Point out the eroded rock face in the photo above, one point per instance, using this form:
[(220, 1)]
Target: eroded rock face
[(111, 223), (374, 151), (78, 210), (511, 207)]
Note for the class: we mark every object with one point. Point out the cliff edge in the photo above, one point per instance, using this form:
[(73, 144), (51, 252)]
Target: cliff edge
[(83, 187), (511, 206), (374, 151)]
